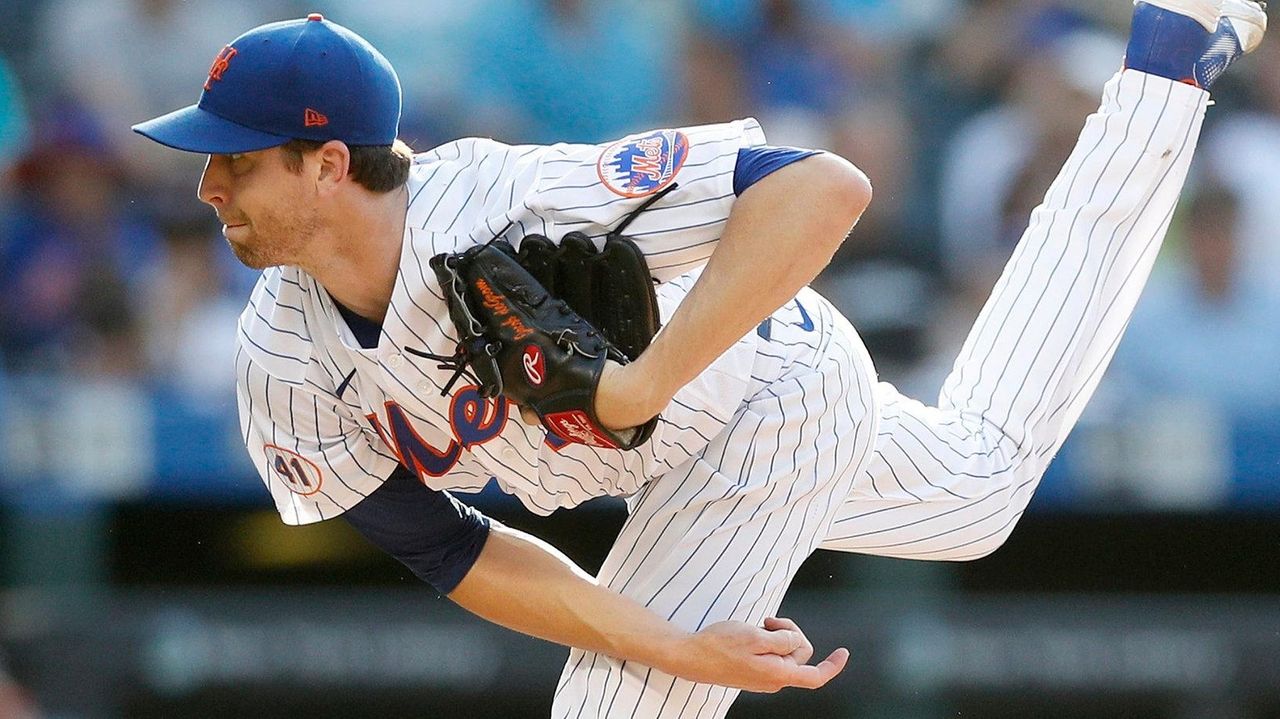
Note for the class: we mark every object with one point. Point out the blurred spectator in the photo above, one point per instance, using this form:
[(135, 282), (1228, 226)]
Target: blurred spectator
[(13, 137), (13, 119), (817, 73), (1001, 162), (877, 136), (15, 701), (1038, 78), (573, 70), (792, 65), (1243, 149), (893, 20), (1196, 366), (1205, 328), (72, 254), (127, 60), (878, 278), (965, 69), (191, 310), (778, 60), (989, 39)]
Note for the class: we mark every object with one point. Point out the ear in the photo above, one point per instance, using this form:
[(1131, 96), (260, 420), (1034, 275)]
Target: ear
[(334, 158)]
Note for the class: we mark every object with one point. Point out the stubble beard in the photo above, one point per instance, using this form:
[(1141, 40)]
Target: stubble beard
[(250, 257), (281, 242)]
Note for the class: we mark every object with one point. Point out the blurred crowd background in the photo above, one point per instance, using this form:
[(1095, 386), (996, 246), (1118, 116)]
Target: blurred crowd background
[(119, 301)]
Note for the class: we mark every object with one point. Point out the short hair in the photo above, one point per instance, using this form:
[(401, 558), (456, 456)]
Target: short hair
[(377, 168)]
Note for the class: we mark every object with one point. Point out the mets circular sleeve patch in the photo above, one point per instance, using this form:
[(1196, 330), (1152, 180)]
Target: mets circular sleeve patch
[(640, 165)]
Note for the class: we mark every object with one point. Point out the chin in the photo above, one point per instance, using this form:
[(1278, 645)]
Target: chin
[(249, 257)]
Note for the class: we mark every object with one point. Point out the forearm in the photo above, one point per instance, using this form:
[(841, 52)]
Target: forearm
[(525, 584), (781, 233)]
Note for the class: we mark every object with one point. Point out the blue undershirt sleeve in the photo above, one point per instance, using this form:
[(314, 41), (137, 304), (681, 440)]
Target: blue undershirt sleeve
[(437, 537), (755, 163)]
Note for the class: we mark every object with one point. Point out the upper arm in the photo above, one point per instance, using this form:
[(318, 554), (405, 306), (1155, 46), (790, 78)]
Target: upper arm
[(433, 534)]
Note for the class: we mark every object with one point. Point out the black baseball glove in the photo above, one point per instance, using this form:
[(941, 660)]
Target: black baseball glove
[(537, 325)]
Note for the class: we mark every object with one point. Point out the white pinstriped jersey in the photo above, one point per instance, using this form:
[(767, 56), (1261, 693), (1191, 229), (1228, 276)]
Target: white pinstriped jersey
[(326, 421)]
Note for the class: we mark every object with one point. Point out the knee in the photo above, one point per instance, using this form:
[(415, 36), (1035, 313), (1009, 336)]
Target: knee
[(988, 545), (999, 526)]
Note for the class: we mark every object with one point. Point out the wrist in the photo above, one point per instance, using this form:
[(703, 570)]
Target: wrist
[(673, 651), (628, 395), (650, 384)]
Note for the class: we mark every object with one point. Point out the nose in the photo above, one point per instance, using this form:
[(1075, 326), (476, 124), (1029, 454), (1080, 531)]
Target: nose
[(213, 186)]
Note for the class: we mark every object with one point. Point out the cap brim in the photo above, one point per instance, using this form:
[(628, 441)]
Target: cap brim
[(195, 130)]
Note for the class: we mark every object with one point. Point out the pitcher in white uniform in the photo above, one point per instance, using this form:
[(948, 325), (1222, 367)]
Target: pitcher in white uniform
[(775, 437)]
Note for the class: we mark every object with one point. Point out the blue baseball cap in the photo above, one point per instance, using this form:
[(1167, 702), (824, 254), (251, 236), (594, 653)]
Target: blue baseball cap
[(308, 79)]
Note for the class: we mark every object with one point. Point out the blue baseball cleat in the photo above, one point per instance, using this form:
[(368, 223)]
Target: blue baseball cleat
[(1193, 41)]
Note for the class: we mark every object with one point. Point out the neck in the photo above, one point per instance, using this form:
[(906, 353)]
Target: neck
[(359, 259)]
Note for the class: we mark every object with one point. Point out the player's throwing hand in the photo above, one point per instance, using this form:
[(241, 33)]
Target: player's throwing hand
[(755, 659)]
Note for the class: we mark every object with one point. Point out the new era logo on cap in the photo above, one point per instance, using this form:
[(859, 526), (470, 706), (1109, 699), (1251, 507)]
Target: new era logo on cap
[(312, 118)]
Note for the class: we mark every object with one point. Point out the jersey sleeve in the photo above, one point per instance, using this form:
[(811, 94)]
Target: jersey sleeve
[(437, 537), (756, 163), (314, 456), (593, 188)]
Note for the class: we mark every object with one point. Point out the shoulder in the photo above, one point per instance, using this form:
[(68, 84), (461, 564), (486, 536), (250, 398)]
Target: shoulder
[(475, 155), (626, 171), (463, 151)]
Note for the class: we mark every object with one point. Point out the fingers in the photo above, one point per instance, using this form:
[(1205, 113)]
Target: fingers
[(765, 658), (782, 642), (803, 651), (779, 623), (813, 676), (784, 634)]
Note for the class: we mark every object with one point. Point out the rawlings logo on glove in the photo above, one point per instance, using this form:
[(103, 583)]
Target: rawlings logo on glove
[(533, 365)]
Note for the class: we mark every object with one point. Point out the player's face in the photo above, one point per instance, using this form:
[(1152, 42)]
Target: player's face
[(268, 217)]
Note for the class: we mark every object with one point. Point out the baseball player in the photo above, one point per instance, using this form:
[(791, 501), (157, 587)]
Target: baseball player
[(774, 437)]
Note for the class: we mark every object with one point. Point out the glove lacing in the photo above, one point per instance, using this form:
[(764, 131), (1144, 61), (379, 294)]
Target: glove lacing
[(459, 363), (464, 356)]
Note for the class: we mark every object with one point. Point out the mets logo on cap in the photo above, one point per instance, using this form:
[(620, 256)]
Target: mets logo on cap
[(219, 66), (641, 165)]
